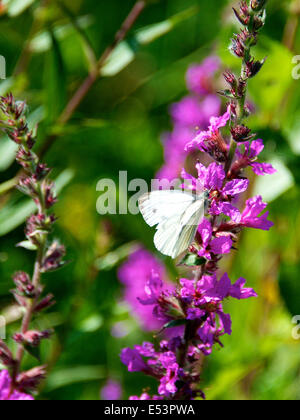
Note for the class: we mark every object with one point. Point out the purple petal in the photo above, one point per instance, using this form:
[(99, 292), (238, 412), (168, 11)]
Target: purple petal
[(188, 112), (195, 313), (215, 176), (256, 147), (221, 245), (229, 210), (226, 322), (205, 230), (153, 289), (211, 105), (235, 187), (5, 382), (238, 291), (263, 168), (250, 217), (198, 142), (218, 122), (198, 75), (133, 360)]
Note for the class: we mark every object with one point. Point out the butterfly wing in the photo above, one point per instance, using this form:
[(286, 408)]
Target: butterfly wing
[(177, 215), (188, 228), (159, 206)]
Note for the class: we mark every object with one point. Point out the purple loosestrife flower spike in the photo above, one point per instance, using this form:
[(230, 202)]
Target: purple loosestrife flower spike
[(28, 291), (197, 303)]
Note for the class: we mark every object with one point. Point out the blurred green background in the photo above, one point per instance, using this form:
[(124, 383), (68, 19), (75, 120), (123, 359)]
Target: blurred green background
[(49, 47)]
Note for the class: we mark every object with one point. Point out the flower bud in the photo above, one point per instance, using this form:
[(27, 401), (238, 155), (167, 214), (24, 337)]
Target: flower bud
[(45, 303), (241, 133), (32, 338), (258, 5), (41, 171), (243, 15), (31, 379), (24, 287), (253, 67), (170, 307), (54, 257), (47, 190), (6, 356)]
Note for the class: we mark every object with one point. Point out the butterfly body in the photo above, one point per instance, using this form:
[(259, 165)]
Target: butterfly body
[(176, 215)]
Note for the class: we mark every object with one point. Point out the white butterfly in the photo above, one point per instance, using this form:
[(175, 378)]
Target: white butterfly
[(177, 215)]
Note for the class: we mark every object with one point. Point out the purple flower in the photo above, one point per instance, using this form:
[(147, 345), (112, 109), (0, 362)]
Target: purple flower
[(238, 291), (210, 333), (187, 112), (223, 289), (199, 76), (135, 274), (112, 390), (250, 155), (207, 336), (225, 322), (251, 215), (195, 294), (211, 179), (195, 313), (146, 350), (153, 289), (5, 395), (168, 381), (212, 135), (133, 360), (217, 246)]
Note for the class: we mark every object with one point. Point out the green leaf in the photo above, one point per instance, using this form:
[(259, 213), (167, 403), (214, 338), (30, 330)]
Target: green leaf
[(113, 258), (16, 7), (192, 260), (42, 42), (8, 150), (27, 245), (65, 377), (55, 81), (125, 52), (174, 323), (87, 46)]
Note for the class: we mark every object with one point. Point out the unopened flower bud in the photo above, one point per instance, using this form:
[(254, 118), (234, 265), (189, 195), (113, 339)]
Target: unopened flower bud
[(230, 79), (31, 379), (54, 257), (170, 306), (253, 67), (243, 15), (45, 303), (32, 338), (6, 356), (241, 133), (49, 197), (258, 5), (28, 187), (237, 47), (41, 171), (24, 287)]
